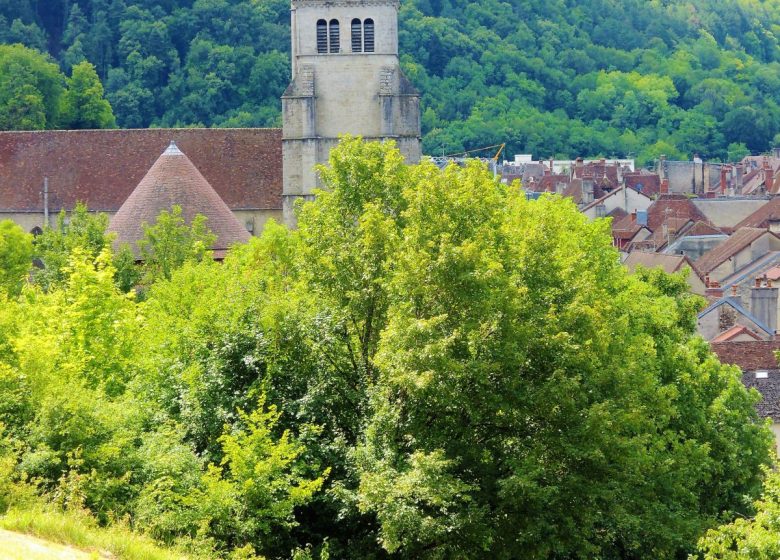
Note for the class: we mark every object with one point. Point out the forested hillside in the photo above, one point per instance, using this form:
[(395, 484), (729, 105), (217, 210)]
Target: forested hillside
[(551, 78)]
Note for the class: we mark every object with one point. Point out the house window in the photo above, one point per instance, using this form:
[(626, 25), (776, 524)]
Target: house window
[(368, 35), (357, 36), (322, 36), (333, 35)]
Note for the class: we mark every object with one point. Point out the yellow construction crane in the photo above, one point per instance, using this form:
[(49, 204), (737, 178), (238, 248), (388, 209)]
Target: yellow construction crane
[(498, 153), (460, 157)]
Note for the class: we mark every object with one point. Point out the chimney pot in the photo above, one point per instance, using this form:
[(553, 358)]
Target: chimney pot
[(758, 282), (707, 280)]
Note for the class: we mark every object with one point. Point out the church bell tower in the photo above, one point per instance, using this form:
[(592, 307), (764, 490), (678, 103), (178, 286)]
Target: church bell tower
[(346, 79)]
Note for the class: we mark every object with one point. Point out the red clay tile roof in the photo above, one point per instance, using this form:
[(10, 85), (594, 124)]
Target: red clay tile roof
[(616, 214), (748, 355), (102, 167), (625, 228), (773, 273), (735, 331), (173, 179), (761, 217), (702, 228), (576, 191), (740, 239), (651, 182), (548, 183), (673, 206), (603, 174)]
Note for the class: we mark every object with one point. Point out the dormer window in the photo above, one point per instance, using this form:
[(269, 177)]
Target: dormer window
[(357, 36), (368, 35)]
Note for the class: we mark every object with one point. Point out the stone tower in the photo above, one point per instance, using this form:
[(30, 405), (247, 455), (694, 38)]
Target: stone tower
[(346, 79)]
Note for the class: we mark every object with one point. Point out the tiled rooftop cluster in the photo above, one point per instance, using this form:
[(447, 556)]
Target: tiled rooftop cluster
[(720, 222)]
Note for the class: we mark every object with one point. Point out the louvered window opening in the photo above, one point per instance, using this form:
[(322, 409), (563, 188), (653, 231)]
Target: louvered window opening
[(368, 35), (322, 36), (357, 36), (334, 36)]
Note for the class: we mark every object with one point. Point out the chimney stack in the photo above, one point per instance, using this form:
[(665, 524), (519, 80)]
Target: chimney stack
[(763, 304), (723, 182), (714, 290), (664, 186), (769, 175)]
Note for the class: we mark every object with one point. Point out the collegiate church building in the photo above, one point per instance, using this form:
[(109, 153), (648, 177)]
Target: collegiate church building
[(346, 79)]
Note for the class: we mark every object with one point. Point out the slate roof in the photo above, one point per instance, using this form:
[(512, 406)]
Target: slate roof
[(738, 241), (752, 270), (769, 405), (751, 356), (102, 167), (173, 179), (737, 305)]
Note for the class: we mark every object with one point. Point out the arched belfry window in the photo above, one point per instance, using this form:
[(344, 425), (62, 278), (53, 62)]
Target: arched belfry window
[(357, 35), (334, 35), (368, 35), (322, 36)]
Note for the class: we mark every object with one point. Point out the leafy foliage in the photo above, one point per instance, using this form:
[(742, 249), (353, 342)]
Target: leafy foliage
[(431, 366), (754, 538), (15, 256), (83, 104), (170, 242)]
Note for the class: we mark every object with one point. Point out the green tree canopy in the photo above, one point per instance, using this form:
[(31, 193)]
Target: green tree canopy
[(16, 252), (170, 242), (30, 89), (83, 104)]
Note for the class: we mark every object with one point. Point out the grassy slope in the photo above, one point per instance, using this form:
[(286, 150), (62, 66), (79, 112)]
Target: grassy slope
[(80, 532)]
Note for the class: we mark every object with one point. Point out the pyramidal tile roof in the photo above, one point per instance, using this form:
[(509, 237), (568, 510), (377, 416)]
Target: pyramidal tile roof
[(174, 180)]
